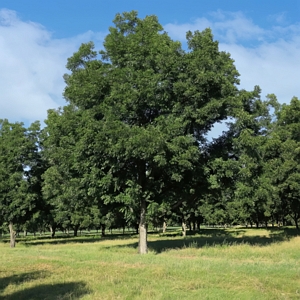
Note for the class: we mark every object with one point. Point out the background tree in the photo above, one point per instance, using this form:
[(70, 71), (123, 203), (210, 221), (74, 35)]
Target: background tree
[(65, 187), (17, 155), (283, 150)]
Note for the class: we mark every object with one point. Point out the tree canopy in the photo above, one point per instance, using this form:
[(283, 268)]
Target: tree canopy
[(153, 103), (130, 147)]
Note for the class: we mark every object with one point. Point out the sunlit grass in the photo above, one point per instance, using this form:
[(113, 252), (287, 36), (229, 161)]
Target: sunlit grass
[(217, 264)]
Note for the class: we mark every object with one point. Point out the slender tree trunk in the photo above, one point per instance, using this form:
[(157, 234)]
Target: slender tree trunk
[(143, 249), (103, 227), (76, 227), (12, 234), (52, 230), (25, 233), (194, 226), (164, 227), (295, 217), (183, 228), (297, 225)]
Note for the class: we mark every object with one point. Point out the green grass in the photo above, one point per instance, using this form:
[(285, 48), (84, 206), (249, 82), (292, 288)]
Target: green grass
[(215, 264)]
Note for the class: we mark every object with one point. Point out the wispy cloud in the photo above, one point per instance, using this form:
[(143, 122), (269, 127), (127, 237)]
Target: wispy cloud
[(32, 64), (229, 27), (279, 18)]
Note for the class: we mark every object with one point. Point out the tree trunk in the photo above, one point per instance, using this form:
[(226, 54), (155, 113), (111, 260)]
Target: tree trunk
[(12, 234), (297, 225), (295, 217), (143, 249), (25, 233), (52, 230), (183, 228), (194, 226), (76, 227), (164, 227), (103, 227)]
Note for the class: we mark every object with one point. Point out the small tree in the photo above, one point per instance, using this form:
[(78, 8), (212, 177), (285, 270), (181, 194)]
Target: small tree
[(17, 151)]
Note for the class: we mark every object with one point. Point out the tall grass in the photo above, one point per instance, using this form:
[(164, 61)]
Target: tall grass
[(215, 264)]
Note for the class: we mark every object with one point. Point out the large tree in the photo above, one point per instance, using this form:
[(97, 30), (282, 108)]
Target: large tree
[(149, 106)]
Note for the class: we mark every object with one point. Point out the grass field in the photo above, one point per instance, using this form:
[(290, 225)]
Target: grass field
[(215, 264)]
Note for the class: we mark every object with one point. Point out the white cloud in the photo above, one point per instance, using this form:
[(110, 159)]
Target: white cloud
[(32, 64), (228, 27), (269, 58), (275, 67)]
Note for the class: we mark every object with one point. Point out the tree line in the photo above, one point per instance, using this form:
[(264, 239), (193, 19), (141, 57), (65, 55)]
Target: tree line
[(130, 147)]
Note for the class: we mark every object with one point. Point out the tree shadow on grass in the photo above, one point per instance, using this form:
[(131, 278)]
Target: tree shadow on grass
[(216, 238), (200, 242), (62, 238), (70, 290), (68, 239), (204, 237), (72, 239), (18, 279), (222, 237)]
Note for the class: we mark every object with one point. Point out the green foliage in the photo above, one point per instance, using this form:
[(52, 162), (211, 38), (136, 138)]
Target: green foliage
[(18, 152), (283, 152), (147, 105)]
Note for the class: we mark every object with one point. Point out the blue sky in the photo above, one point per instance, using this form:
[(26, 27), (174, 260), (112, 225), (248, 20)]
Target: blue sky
[(37, 37)]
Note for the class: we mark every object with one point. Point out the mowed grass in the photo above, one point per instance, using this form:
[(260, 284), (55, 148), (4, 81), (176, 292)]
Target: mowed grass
[(215, 264)]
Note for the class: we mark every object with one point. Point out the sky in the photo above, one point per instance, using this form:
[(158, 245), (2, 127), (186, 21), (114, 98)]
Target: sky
[(37, 37)]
